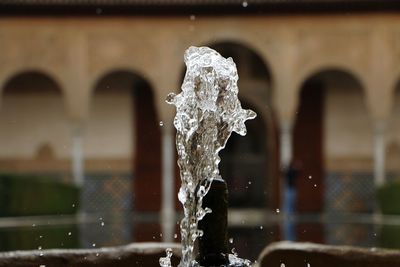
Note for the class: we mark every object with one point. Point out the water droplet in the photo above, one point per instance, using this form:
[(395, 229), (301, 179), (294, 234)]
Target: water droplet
[(175, 236), (278, 210), (245, 4), (315, 185), (102, 224), (170, 98), (42, 265), (40, 236), (283, 265), (169, 252), (249, 182), (33, 225), (94, 244), (73, 205), (310, 177), (261, 227), (166, 261), (69, 233), (97, 254), (40, 248), (161, 123), (308, 265), (231, 240), (192, 17), (234, 252), (41, 254)]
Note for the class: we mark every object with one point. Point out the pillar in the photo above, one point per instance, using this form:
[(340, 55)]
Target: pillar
[(286, 146), (379, 153), (77, 156), (286, 155), (167, 174)]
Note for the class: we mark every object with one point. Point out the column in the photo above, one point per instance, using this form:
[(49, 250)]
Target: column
[(167, 199), (286, 146), (379, 153), (286, 154), (77, 156)]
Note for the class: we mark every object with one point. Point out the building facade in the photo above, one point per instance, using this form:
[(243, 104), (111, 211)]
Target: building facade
[(84, 97)]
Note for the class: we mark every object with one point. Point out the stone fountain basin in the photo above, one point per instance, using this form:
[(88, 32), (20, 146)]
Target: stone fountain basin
[(291, 254), (132, 255)]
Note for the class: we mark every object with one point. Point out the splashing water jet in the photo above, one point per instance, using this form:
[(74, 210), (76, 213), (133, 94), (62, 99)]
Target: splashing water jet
[(208, 110)]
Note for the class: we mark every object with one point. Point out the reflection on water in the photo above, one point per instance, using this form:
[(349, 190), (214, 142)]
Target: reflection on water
[(249, 233), (43, 237)]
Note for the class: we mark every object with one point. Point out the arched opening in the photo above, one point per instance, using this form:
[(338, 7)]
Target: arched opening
[(35, 175), (243, 165), (333, 147), (393, 139), (122, 149), (249, 164), (32, 117)]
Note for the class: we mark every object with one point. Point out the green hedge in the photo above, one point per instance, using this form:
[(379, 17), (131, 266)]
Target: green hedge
[(23, 195), (389, 203), (389, 198), (390, 236)]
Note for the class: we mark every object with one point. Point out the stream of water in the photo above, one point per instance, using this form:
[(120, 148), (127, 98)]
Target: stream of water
[(208, 111)]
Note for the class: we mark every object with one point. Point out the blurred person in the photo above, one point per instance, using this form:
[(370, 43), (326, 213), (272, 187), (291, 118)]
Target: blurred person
[(291, 174)]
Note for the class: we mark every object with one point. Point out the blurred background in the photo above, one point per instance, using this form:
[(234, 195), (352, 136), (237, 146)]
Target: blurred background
[(87, 156)]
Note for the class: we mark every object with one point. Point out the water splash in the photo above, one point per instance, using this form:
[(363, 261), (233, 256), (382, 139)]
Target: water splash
[(166, 261), (208, 110)]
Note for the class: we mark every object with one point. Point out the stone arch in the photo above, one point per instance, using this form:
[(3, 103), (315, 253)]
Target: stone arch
[(32, 113), (124, 120), (98, 75), (332, 142), (138, 71), (256, 46), (315, 68), (253, 52), (13, 73)]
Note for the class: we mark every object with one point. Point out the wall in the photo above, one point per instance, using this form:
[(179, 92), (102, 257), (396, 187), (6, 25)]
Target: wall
[(29, 121)]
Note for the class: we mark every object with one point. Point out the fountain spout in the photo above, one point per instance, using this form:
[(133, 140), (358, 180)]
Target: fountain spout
[(213, 245)]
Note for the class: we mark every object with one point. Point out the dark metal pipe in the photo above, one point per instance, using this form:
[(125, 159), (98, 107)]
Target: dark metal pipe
[(213, 245)]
